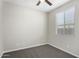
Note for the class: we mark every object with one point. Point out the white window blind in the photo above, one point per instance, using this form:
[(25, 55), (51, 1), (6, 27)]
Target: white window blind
[(65, 21)]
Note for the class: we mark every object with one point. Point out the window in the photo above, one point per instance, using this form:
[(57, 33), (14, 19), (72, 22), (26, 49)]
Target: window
[(65, 21)]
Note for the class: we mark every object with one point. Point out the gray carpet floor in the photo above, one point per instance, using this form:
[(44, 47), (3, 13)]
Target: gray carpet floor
[(45, 51)]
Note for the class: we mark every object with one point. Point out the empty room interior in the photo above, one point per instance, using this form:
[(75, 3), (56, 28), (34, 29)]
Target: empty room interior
[(39, 28)]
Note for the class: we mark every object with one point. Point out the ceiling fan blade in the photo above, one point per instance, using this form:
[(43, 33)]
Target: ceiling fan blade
[(38, 3), (48, 2)]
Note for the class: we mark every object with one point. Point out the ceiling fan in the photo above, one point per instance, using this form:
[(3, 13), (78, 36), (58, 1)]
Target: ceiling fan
[(42, 1)]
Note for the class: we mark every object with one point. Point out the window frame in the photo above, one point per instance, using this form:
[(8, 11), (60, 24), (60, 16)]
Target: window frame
[(65, 25)]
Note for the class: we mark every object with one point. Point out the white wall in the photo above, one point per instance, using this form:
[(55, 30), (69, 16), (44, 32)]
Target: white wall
[(1, 46), (23, 27), (69, 43), (1, 32)]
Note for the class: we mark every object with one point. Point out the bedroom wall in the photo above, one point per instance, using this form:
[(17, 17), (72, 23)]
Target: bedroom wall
[(23, 27), (68, 43), (1, 46)]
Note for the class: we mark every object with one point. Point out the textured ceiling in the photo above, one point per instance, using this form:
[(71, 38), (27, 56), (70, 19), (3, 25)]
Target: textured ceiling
[(42, 7)]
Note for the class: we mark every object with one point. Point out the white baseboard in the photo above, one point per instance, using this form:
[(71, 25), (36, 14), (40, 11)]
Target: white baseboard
[(65, 51), (25, 47), (40, 45)]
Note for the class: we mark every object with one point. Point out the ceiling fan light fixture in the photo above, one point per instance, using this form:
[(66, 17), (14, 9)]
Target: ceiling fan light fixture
[(42, 1)]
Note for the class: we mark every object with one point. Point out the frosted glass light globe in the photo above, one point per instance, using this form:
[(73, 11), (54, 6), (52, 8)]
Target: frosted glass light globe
[(42, 1)]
